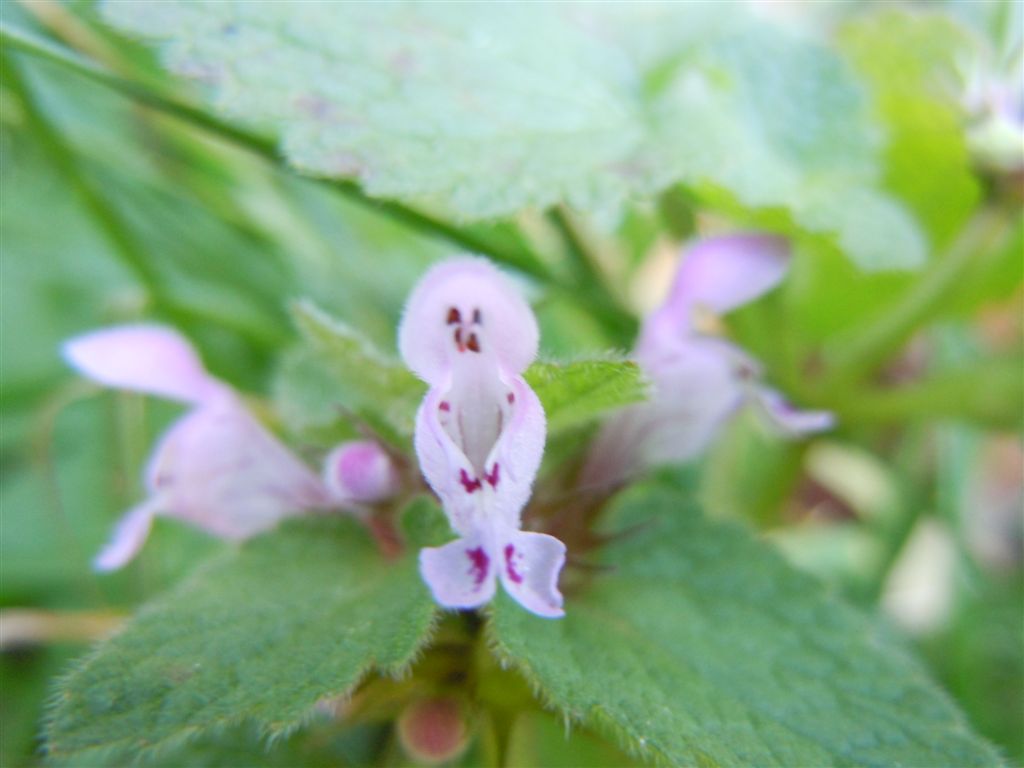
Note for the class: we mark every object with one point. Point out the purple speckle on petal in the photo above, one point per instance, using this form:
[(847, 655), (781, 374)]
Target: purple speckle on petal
[(470, 484), (510, 566), (479, 563), (492, 476)]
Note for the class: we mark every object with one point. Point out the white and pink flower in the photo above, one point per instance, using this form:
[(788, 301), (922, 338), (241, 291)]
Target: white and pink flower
[(480, 434)]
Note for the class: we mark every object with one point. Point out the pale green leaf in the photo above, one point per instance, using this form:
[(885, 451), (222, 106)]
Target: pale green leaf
[(340, 373), (260, 635), (576, 393), (911, 62), (700, 646), (484, 109)]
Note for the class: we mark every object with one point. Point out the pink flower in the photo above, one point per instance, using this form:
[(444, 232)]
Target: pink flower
[(217, 467), (480, 435), (698, 381)]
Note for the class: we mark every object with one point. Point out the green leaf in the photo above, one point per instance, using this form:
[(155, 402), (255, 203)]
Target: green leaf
[(485, 109), (701, 646), (911, 62), (576, 393), (341, 371), (260, 635)]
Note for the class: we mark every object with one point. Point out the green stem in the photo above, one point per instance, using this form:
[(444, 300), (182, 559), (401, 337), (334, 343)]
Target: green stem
[(989, 394), (870, 346), (593, 290), (895, 525)]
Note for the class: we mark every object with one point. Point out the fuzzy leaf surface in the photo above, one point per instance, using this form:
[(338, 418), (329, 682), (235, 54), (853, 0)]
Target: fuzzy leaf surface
[(701, 646), (258, 636), (484, 109), (341, 371), (581, 391)]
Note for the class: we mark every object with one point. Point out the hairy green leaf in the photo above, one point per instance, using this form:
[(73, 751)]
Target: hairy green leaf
[(699, 645), (260, 635), (341, 373), (484, 109), (579, 392)]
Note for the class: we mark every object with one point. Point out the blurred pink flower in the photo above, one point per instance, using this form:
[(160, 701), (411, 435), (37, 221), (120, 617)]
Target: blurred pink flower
[(698, 381), (480, 435), (217, 467)]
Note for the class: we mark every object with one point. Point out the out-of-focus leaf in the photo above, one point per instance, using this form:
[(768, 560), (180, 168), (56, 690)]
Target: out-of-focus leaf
[(701, 646), (539, 739), (352, 375), (486, 109), (260, 635), (910, 61)]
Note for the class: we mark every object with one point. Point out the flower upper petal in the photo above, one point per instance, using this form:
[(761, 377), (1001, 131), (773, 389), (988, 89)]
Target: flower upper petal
[(450, 298), (143, 358), (720, 274)]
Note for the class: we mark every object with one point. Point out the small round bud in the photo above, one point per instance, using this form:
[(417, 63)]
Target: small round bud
[(360, 471), (433, 731)]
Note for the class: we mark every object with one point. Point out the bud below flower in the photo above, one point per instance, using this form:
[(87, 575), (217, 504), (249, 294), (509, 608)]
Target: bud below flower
[(433, 731)]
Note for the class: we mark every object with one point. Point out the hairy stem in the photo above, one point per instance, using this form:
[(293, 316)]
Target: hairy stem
[(869, 346)]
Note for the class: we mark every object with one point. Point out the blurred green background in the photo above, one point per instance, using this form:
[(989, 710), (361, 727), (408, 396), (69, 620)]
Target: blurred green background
[(112, 212)]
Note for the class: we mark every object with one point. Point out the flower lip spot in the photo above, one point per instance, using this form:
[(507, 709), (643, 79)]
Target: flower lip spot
[(454, 316), (473, 345), (470, 484), (510, 566), (445, 406), (479, 564), (478, 318), (492, 476), (511, 398)]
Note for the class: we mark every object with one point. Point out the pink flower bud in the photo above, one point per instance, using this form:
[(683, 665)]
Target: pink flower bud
[(433, 731), (360, 471)]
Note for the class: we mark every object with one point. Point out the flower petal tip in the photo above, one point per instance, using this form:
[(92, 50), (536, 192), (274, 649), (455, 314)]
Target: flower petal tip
[(143, 358)]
